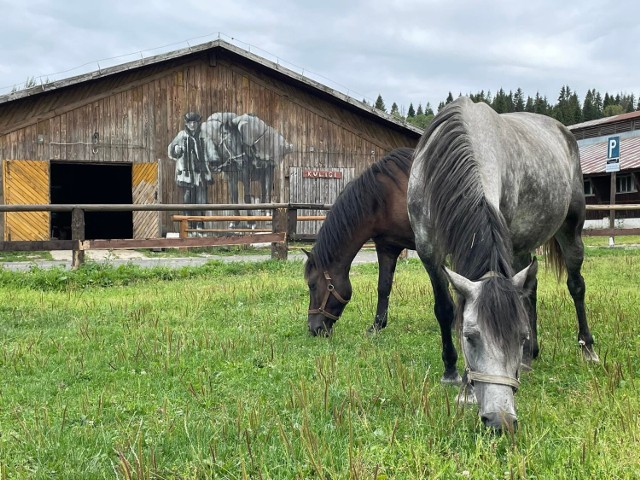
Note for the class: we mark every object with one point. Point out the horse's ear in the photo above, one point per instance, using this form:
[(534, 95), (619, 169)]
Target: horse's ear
[(465, 287), (526, 277)]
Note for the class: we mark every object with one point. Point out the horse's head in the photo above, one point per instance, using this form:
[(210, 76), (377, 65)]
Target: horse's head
[(494, 329), (329, 292)]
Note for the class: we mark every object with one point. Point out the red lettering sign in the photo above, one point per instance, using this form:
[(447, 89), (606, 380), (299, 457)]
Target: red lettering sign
[(321, 174)]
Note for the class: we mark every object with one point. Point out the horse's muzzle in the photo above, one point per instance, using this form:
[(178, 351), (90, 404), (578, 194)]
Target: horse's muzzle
[(320, 327), (500, 422)]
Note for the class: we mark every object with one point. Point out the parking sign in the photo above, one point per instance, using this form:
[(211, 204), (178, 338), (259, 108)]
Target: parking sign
[(613, 154)]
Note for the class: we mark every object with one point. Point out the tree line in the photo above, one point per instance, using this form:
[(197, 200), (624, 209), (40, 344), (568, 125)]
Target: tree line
[(568, 109)]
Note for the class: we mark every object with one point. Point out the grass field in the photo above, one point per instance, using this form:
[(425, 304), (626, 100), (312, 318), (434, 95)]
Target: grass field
[(209, 372)]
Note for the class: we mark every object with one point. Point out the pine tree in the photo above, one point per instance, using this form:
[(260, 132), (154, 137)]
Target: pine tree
[(380, 104), (419, 111), (411, 112), (518, 101), (589, 111), (429, 111), (449, 99), (529, 106), (394, 110)]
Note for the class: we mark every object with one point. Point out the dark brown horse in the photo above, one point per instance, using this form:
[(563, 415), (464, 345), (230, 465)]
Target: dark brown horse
[(373, 206)]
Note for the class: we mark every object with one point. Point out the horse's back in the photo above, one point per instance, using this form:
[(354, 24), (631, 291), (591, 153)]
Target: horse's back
[(528, 166), (530, 169)]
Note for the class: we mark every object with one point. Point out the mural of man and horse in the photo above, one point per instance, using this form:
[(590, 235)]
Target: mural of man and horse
[(484, 191), (241, 147)]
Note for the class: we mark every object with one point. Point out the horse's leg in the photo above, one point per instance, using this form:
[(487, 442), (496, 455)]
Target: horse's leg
[(246, 175), (267, 182), (531, 348), (387, 261), (569, 239), (232, 181), (444, 311)]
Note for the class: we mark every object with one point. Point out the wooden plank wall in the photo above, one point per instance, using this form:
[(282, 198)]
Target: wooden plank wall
[(133, 117), (316, 190)]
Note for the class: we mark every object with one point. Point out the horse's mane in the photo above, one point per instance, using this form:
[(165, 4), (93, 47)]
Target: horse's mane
[(361, 198), (466, 226)]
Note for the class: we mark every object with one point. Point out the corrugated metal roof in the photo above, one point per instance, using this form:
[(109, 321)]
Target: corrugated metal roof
[(593, 158), (604, 121)]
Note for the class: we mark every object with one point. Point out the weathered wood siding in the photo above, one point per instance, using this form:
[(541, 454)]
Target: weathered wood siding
[(133, 116)]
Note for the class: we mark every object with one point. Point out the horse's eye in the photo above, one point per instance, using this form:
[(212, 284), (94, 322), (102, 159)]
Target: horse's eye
[(312, 286), (472, 337)]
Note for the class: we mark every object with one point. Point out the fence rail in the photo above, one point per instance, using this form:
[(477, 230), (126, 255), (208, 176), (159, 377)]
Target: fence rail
[(283, 220), (612, 231), (283, 224)]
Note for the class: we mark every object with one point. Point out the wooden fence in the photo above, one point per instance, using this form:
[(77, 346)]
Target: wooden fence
[(283, 226), (284, 219)]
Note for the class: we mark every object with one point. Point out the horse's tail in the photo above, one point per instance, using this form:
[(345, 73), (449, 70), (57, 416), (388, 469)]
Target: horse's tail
[(554, 258)]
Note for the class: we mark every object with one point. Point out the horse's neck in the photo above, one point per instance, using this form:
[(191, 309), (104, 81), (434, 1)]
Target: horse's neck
[(349, 247)]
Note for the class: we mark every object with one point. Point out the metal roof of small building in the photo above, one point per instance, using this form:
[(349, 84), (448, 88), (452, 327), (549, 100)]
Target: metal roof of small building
[(603, 121), (593, 157)]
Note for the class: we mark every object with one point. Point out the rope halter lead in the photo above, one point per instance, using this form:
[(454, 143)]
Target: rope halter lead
[(472, 376), (331, 290)]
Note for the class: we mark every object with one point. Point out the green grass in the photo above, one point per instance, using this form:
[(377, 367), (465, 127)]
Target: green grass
[(24, 256), (208, 372)]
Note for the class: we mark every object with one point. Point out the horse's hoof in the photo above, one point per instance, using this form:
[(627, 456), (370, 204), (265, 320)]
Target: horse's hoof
[(451, 379), (590, 356), (373, 329), (588, 353)]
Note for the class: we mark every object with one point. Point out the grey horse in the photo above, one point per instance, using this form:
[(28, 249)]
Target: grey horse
[(485, 190)]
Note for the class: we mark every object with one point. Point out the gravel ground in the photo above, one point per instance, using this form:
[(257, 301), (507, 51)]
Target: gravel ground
[(62, 259)]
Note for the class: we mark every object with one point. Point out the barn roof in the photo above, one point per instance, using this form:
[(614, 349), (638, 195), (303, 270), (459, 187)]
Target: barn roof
[(603, 121), (593, 157), (275, 68)]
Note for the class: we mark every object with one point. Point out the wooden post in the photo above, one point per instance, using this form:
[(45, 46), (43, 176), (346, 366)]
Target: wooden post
[(184, 224), (77, 235), (612, 212), (279, 224)]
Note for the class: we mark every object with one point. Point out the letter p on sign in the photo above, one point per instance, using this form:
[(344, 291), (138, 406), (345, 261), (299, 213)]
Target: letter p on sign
[(613, 148)]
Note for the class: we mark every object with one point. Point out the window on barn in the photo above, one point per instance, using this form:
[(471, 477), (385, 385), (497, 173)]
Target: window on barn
[(625, 184), (588, 188)]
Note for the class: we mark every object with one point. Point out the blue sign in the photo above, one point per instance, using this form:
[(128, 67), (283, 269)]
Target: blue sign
[(613, 155), (613, 148)]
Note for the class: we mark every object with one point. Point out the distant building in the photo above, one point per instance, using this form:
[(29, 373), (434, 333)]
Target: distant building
[(593, 139)]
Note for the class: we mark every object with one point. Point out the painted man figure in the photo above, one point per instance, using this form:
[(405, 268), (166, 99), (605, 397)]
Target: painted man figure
[(192, 169)]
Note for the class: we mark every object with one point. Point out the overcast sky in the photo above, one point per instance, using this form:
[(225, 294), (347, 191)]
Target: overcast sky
[(408, 51)]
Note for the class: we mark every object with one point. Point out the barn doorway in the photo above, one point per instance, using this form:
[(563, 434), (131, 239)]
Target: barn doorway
[(76, 183)]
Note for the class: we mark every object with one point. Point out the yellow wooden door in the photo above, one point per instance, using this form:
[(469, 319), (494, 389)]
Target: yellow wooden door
[(145, 191), (26, 182)]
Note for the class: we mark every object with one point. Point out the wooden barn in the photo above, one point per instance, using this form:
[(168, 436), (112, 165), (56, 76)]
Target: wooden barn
[(593, 139), (209, 124)]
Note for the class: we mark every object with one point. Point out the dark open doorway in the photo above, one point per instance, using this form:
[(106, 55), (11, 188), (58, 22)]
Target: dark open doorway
[(75, 183)]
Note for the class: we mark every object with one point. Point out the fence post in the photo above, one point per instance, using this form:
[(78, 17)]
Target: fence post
[(279, 224), (77, 235), (184, 224)]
